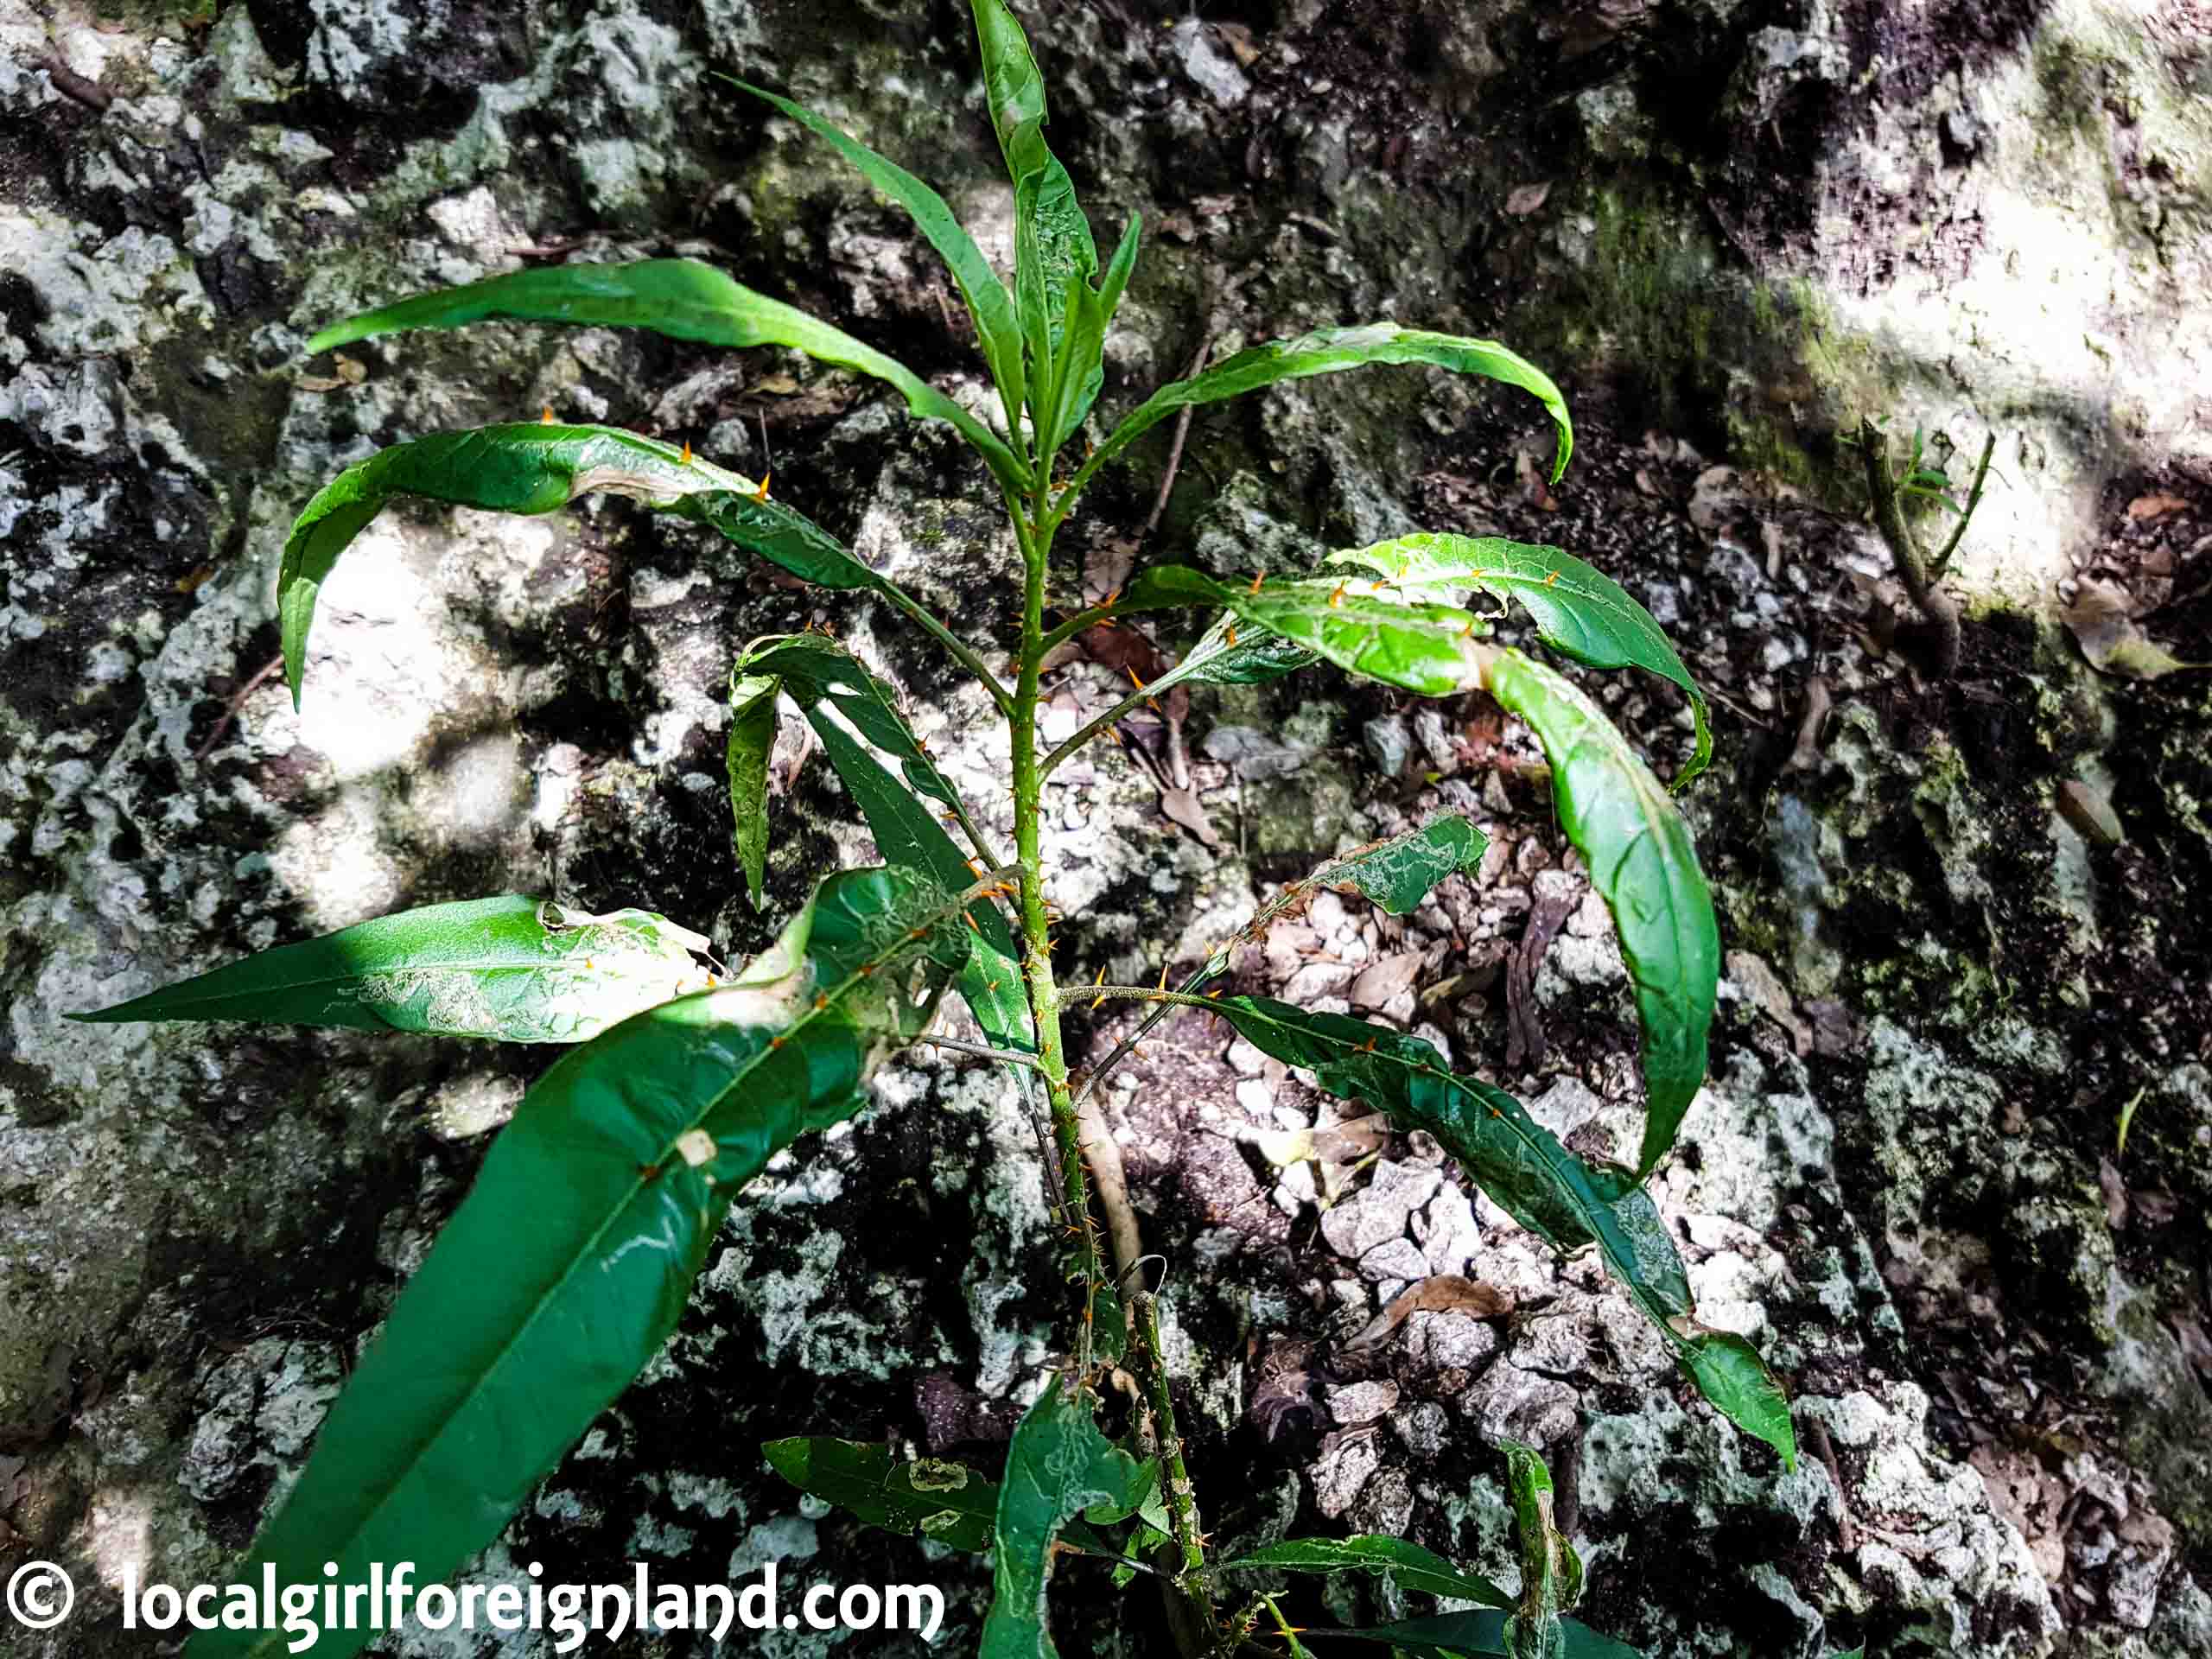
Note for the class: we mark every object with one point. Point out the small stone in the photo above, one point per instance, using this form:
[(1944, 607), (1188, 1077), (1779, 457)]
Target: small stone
[(1387, 743), (1397, 1258), (1354, 1403), (1343, 1471)]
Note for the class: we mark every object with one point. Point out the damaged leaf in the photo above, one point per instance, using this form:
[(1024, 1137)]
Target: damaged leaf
[(511, 969), (1414, 1568)]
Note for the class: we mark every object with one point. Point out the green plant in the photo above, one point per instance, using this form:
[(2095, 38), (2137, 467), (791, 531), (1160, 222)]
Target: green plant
[(571, 1258)]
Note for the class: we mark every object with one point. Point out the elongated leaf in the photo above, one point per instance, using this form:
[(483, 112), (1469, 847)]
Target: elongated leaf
[(1328, 351), (1643, 864), (1518, 1162), (683, 299), (531, 468), (947, 1503), (1058, 1466), (1414, 1568), (571, 1258), (512, 969), (1448, 1635), (1258, 656), (1080, 372), (1054, 248), (825, 680), (988, 302), (1431, 649), (1579, 609), (1730, 1373), (751, 737), (1551, 1572)]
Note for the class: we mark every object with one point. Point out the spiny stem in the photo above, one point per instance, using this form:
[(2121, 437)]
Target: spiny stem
[(1181, 1497), (1010, 1056), (952, 642), (1092, 730)]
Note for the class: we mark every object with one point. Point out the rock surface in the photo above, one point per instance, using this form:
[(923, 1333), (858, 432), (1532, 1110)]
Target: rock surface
[(1950, 1170)]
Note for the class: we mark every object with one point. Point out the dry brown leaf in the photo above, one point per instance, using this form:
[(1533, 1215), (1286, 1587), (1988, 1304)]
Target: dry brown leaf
[(1764, 987), (2157, 505), (1445, 1292), (780, 385), (2101, 625), (1383, 980), (1183, 807)]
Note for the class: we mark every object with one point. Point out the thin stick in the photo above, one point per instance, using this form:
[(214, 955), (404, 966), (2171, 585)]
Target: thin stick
[(1942, 560), (1175, 451), (1937, 606), (1111, 716), (237, 702)]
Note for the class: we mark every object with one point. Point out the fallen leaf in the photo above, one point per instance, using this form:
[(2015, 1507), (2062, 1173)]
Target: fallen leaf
[(1527, 198), (1183, 807), (2157, 505), (781, 385), (1118, 650), (2089, 811), (2101, 625), (1445, 1292)]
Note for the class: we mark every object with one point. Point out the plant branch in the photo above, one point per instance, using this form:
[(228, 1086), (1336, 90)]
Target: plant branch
[(952, 642), (1180, 1496), (1938, 607), (1941, 561), (1112, 716), (982, 1050)]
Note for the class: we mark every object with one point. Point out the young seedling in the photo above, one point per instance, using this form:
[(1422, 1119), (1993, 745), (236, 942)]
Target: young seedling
[(569, 1262)]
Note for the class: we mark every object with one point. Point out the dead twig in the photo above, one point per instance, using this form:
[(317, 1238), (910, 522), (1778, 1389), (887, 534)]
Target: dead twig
[(237, 702), (79, 88), (1175, 450)]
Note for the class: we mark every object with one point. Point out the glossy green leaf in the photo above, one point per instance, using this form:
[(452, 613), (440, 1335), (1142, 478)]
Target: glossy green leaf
[(1414, 1568), (1258, 656), (1643, 864), (1579, 609), (988, 302), (1054, 248), (1328, 351), (531, 468), (683, 299), (752, 738), (836, 691), (512, 969), (571, 1258), (1551, 1572), (1447, 1636), (1431, 649), (1079, 372), (1729, 1372), (947, 1503), (1518, 1162), (1058, 1466)]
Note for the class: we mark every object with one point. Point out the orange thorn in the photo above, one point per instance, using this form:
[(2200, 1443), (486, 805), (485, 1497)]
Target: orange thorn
[(546, 415), (975, 865), (761, 494), (685, 459), (1232, 633), (1106, 603), (991, 985), (1257, 580), (970, 920), (1337, 599), (1552, 578), (1215, 992), (821, 1001), (1367, 1047), (1163, 977), (1116, 735), (1101, 980), (1132, 673), (1468, 633), (776, 1042)]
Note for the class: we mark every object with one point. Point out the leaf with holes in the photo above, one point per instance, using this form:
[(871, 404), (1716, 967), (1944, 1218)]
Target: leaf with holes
[(567, 1265), (511, 969), (1580, 610)]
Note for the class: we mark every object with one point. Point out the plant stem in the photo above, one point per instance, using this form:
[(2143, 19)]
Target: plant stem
[(1175, 1479), (1037, 948), (1941, 561), (1938, 607)]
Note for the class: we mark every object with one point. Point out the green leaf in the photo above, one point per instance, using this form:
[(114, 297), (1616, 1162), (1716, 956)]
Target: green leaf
[(1579, 609), (1258, 656), (832, 687), (1729, 1372), (1430, 649), (571, 1258), (751, 737), (1327, 352), (531, 468), (683, 299), (1518, 1162), (1414, 1568), (1551, 1572), (1446, 1635), (1080, 372), (946, 1502), (1054, 248), (1643, 864), (985, 296), (512, 969), (1058, 1466)]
